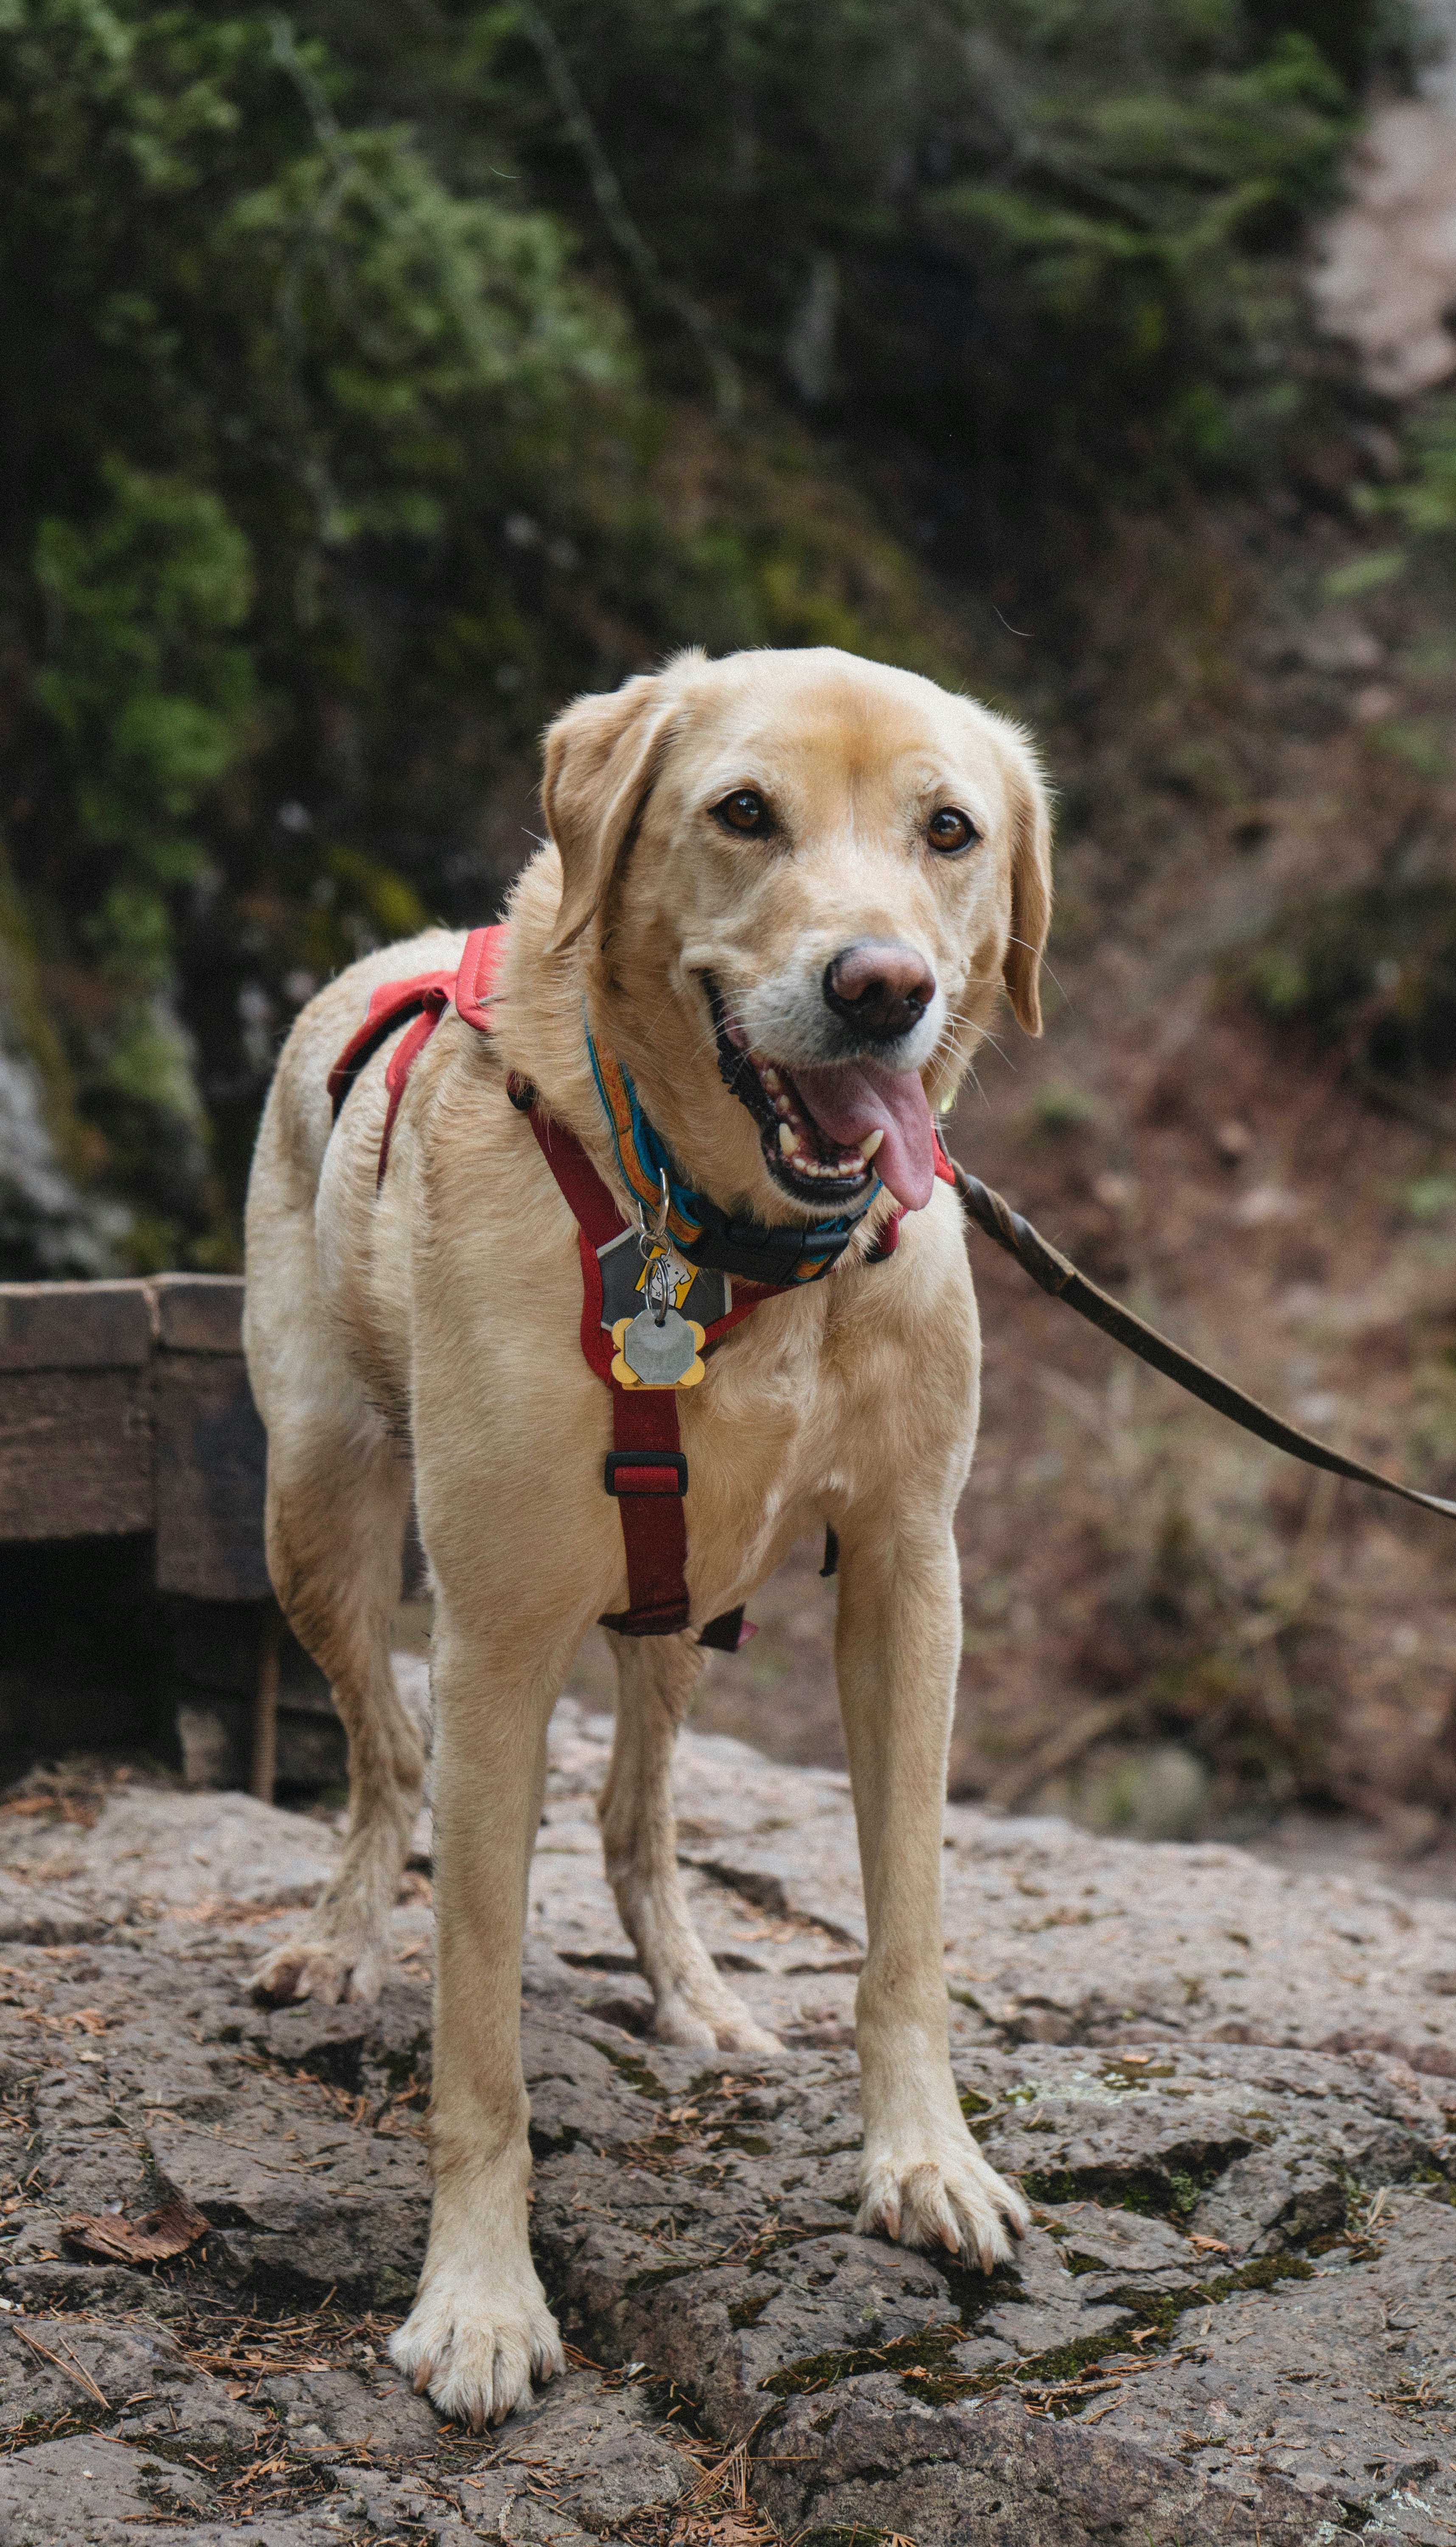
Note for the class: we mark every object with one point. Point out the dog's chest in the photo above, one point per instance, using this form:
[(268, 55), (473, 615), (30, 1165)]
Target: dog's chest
[(772, 1426)]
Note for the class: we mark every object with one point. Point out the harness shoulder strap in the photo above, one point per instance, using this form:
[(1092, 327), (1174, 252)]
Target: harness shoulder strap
[(388, 1009), (425, 997), (475, 983)]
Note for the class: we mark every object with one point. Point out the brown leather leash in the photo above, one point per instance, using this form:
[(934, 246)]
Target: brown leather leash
[(1054, 1274)]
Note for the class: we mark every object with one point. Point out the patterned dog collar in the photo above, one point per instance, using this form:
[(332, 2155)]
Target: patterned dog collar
[(751, 1251)]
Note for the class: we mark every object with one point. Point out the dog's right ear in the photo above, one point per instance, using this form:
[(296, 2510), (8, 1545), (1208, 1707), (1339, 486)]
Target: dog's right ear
[(601, 758)]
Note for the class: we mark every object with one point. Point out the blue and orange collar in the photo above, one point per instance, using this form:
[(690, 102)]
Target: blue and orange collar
[(752, 1250)]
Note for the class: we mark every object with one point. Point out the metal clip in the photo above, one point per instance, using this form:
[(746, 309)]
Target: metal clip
[(661, 1288)]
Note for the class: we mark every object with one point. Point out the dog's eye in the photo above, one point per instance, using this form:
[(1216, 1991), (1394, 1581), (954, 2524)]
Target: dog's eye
[(743, 811), (950, 830)]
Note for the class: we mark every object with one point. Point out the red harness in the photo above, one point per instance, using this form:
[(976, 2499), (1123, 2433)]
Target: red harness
[(645, 1469)]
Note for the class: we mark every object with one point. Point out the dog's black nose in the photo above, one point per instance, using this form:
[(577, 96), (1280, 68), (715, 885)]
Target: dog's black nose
[(882, 990)]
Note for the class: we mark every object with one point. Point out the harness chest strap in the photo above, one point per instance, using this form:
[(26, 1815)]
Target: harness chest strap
[(645, 1471), (646, 1468)]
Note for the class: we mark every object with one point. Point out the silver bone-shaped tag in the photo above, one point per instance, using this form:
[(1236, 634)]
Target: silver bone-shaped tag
[(660, 1354)]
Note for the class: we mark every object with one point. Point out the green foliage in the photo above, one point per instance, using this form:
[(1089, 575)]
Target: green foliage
[(1373, 969), (1035, 238), (372, 384), (1429, 1197), (1363, 575), (147, 694), (1425, 500), (279, 395)]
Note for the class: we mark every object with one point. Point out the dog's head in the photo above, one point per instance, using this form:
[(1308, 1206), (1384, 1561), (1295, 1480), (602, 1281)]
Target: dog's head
[(793, 885)]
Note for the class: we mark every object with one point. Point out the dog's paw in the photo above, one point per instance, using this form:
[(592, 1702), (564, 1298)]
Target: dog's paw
[(719, 2022), (738, 2033), (477, 2351), (323, 1969), (945, 2195)]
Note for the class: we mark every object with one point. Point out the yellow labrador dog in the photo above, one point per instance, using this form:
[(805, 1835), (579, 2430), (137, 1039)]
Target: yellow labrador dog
[(781, 893)]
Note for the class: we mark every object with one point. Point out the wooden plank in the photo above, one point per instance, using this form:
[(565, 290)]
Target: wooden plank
[(200, 1313), (264, 1763), (125, 1406), (75, 1326), (211, 1467), (75, 1454)]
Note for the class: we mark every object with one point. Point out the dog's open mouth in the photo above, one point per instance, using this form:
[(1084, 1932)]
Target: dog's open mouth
[(829, 1128)]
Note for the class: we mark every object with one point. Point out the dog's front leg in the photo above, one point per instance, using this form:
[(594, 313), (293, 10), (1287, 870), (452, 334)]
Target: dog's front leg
[(480, 2329), (655, 1680), (897, 1648)]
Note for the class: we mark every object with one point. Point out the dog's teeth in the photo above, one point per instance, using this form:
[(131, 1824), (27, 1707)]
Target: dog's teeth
[(868, 1147), (787, 1139), (771, 1079), (782, 1105)]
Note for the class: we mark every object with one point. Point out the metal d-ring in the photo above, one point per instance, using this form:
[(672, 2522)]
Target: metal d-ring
[(659, 1289), (650, 1238)]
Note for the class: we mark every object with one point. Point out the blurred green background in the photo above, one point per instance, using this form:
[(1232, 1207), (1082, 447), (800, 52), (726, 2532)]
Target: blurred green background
[(378, 377)]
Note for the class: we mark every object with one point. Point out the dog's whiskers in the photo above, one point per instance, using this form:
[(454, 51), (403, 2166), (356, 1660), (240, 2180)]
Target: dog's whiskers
[(1046, 967)]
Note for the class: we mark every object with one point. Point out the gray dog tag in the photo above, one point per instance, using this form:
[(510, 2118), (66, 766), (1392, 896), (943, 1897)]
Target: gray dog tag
[(659, 1355)]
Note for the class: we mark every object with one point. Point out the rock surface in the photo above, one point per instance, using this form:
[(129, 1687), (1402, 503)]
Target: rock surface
[(1229, 2091), (1388, 273)]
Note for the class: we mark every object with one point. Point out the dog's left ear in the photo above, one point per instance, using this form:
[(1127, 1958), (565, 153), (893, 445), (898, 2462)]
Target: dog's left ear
[(1031, 887), (601, 758)]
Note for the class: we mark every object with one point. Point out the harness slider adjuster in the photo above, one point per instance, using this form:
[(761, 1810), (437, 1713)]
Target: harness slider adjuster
[(646, 1472)]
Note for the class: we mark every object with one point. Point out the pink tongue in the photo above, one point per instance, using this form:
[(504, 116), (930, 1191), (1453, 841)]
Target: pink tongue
[(850, 1099)]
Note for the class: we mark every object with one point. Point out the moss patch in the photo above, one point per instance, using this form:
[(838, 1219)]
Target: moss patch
[(930, 2350), (628, 2066), (939, 2386), (748, 2311), (1167, 2192)]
